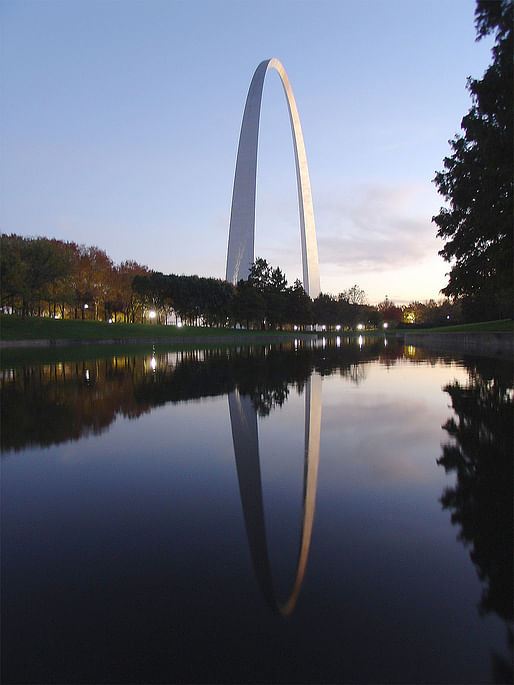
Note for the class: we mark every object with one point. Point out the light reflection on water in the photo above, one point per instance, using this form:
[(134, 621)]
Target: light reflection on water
[(142, 525)]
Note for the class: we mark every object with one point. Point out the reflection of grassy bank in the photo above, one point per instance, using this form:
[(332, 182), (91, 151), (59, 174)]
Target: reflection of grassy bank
[(13, 357), (52, 354), (50, 402)]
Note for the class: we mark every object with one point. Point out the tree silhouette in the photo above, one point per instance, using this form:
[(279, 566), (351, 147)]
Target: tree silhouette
[(477, 181), (481, 455)]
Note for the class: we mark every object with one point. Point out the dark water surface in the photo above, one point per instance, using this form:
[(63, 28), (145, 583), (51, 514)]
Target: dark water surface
[(330, 514)]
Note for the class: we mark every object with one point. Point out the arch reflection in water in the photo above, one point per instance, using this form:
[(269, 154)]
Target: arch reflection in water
[(243, 419)]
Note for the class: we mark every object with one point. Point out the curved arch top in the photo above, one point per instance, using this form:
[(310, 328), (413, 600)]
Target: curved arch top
[(240, 255)]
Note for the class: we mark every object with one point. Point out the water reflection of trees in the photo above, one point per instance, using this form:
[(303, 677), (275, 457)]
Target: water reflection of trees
[(51, 403), (480, 453)]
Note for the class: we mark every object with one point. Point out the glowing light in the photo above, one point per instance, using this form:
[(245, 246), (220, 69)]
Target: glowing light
[(361, 341), (338, 341), (386, 325), (338, 327), (179, 324), (152, 314), (153, 363), (86, 306), (110, 321), (295, 328), (360, 326), (87, 374)]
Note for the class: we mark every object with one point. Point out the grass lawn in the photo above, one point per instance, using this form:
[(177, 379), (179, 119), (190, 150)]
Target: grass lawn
[(42, 328), (483, 326)]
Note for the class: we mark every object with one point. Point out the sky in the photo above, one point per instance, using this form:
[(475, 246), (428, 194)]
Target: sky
[(121, 121)]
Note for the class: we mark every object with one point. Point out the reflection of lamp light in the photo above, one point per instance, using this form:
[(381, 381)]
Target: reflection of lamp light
[(360, 341), (153, 363)]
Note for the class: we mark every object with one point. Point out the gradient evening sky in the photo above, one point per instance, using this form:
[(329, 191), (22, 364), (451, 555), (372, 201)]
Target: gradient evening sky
[(121, 120)]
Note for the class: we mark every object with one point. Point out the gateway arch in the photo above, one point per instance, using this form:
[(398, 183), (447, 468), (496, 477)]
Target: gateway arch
[(240, 255), (243, 419)]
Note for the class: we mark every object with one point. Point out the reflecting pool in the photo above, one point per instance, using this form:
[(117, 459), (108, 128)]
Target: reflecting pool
[(328, 512)]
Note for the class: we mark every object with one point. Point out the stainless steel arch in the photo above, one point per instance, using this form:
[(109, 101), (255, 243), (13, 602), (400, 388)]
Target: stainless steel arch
[(243, 419), (241, 239)]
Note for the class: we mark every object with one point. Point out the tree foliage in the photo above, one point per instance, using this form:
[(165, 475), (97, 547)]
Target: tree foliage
[(43, 276), (477, 181), (49, 277)]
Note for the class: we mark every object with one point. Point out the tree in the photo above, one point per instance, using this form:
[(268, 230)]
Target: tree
[(477, 181), (299, 305), (11, 270), (260, 275), (325, 310), (248, 305), (125, 274), (390, 313), (272, 285), (30, 268), (354, 295)]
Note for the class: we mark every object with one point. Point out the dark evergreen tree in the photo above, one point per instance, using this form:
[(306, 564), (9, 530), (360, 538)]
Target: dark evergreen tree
[(248, 305), (477, 181), (299, 305)]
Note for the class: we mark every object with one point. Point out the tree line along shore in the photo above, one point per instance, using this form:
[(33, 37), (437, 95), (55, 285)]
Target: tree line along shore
[(50, 278)]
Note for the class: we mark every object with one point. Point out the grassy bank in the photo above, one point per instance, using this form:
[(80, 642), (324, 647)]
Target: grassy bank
[(36, 328), (481, 327), (39, 328), (499, 326)]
